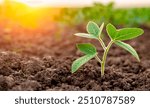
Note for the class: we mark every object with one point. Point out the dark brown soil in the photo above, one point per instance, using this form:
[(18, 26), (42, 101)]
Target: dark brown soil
[(42, 62)]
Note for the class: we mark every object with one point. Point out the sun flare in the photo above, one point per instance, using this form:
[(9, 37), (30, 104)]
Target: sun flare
[(23, 13), (30, 3)]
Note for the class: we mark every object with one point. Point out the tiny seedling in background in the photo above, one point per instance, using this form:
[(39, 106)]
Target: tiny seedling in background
[(116, 37)]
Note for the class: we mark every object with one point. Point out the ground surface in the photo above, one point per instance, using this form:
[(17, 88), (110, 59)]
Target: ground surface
[(41, 62)]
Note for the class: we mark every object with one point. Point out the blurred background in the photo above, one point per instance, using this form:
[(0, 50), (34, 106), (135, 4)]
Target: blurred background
[(32, 14), (24, 22)]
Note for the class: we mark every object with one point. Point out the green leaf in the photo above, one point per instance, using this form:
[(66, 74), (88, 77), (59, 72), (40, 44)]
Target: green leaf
[(111, 31), (81, 61), (93, 28), (101, 29), (87, 48), (128, 33), (123, 34), (85, 35), (128, 48)]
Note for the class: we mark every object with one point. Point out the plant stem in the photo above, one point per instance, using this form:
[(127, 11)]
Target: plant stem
[(102, 43), (104, 57), (98, 59)]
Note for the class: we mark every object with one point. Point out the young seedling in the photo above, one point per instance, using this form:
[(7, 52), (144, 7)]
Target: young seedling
[(116, 37)]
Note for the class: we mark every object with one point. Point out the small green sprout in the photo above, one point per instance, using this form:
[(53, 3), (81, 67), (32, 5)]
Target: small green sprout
[(116, 37)]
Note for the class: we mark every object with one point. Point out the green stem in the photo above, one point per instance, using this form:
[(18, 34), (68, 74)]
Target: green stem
[(102, 43), (98, 59), (104, 57)]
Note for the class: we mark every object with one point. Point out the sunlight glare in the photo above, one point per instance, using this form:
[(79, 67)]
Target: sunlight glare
[(23, 13), (32, 3)]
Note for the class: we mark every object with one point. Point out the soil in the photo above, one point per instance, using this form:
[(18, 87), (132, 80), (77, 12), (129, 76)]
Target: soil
[(42, 61)]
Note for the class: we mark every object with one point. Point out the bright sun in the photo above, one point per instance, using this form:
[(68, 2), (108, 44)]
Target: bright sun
[(30, 2), (25, 14), (36, 3)]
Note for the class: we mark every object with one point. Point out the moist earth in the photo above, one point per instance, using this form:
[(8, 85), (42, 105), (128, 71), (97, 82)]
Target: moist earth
[(42, 62)]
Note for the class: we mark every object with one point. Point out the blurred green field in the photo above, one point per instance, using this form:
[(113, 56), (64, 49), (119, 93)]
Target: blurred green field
[(105, 13)]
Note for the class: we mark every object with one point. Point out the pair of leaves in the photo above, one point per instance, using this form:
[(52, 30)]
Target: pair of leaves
[(90, 52), (88, 49), (124, 34), (93, 30)]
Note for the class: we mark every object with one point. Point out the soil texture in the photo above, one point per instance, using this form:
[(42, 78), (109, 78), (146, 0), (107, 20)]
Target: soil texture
[(42, 61)]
